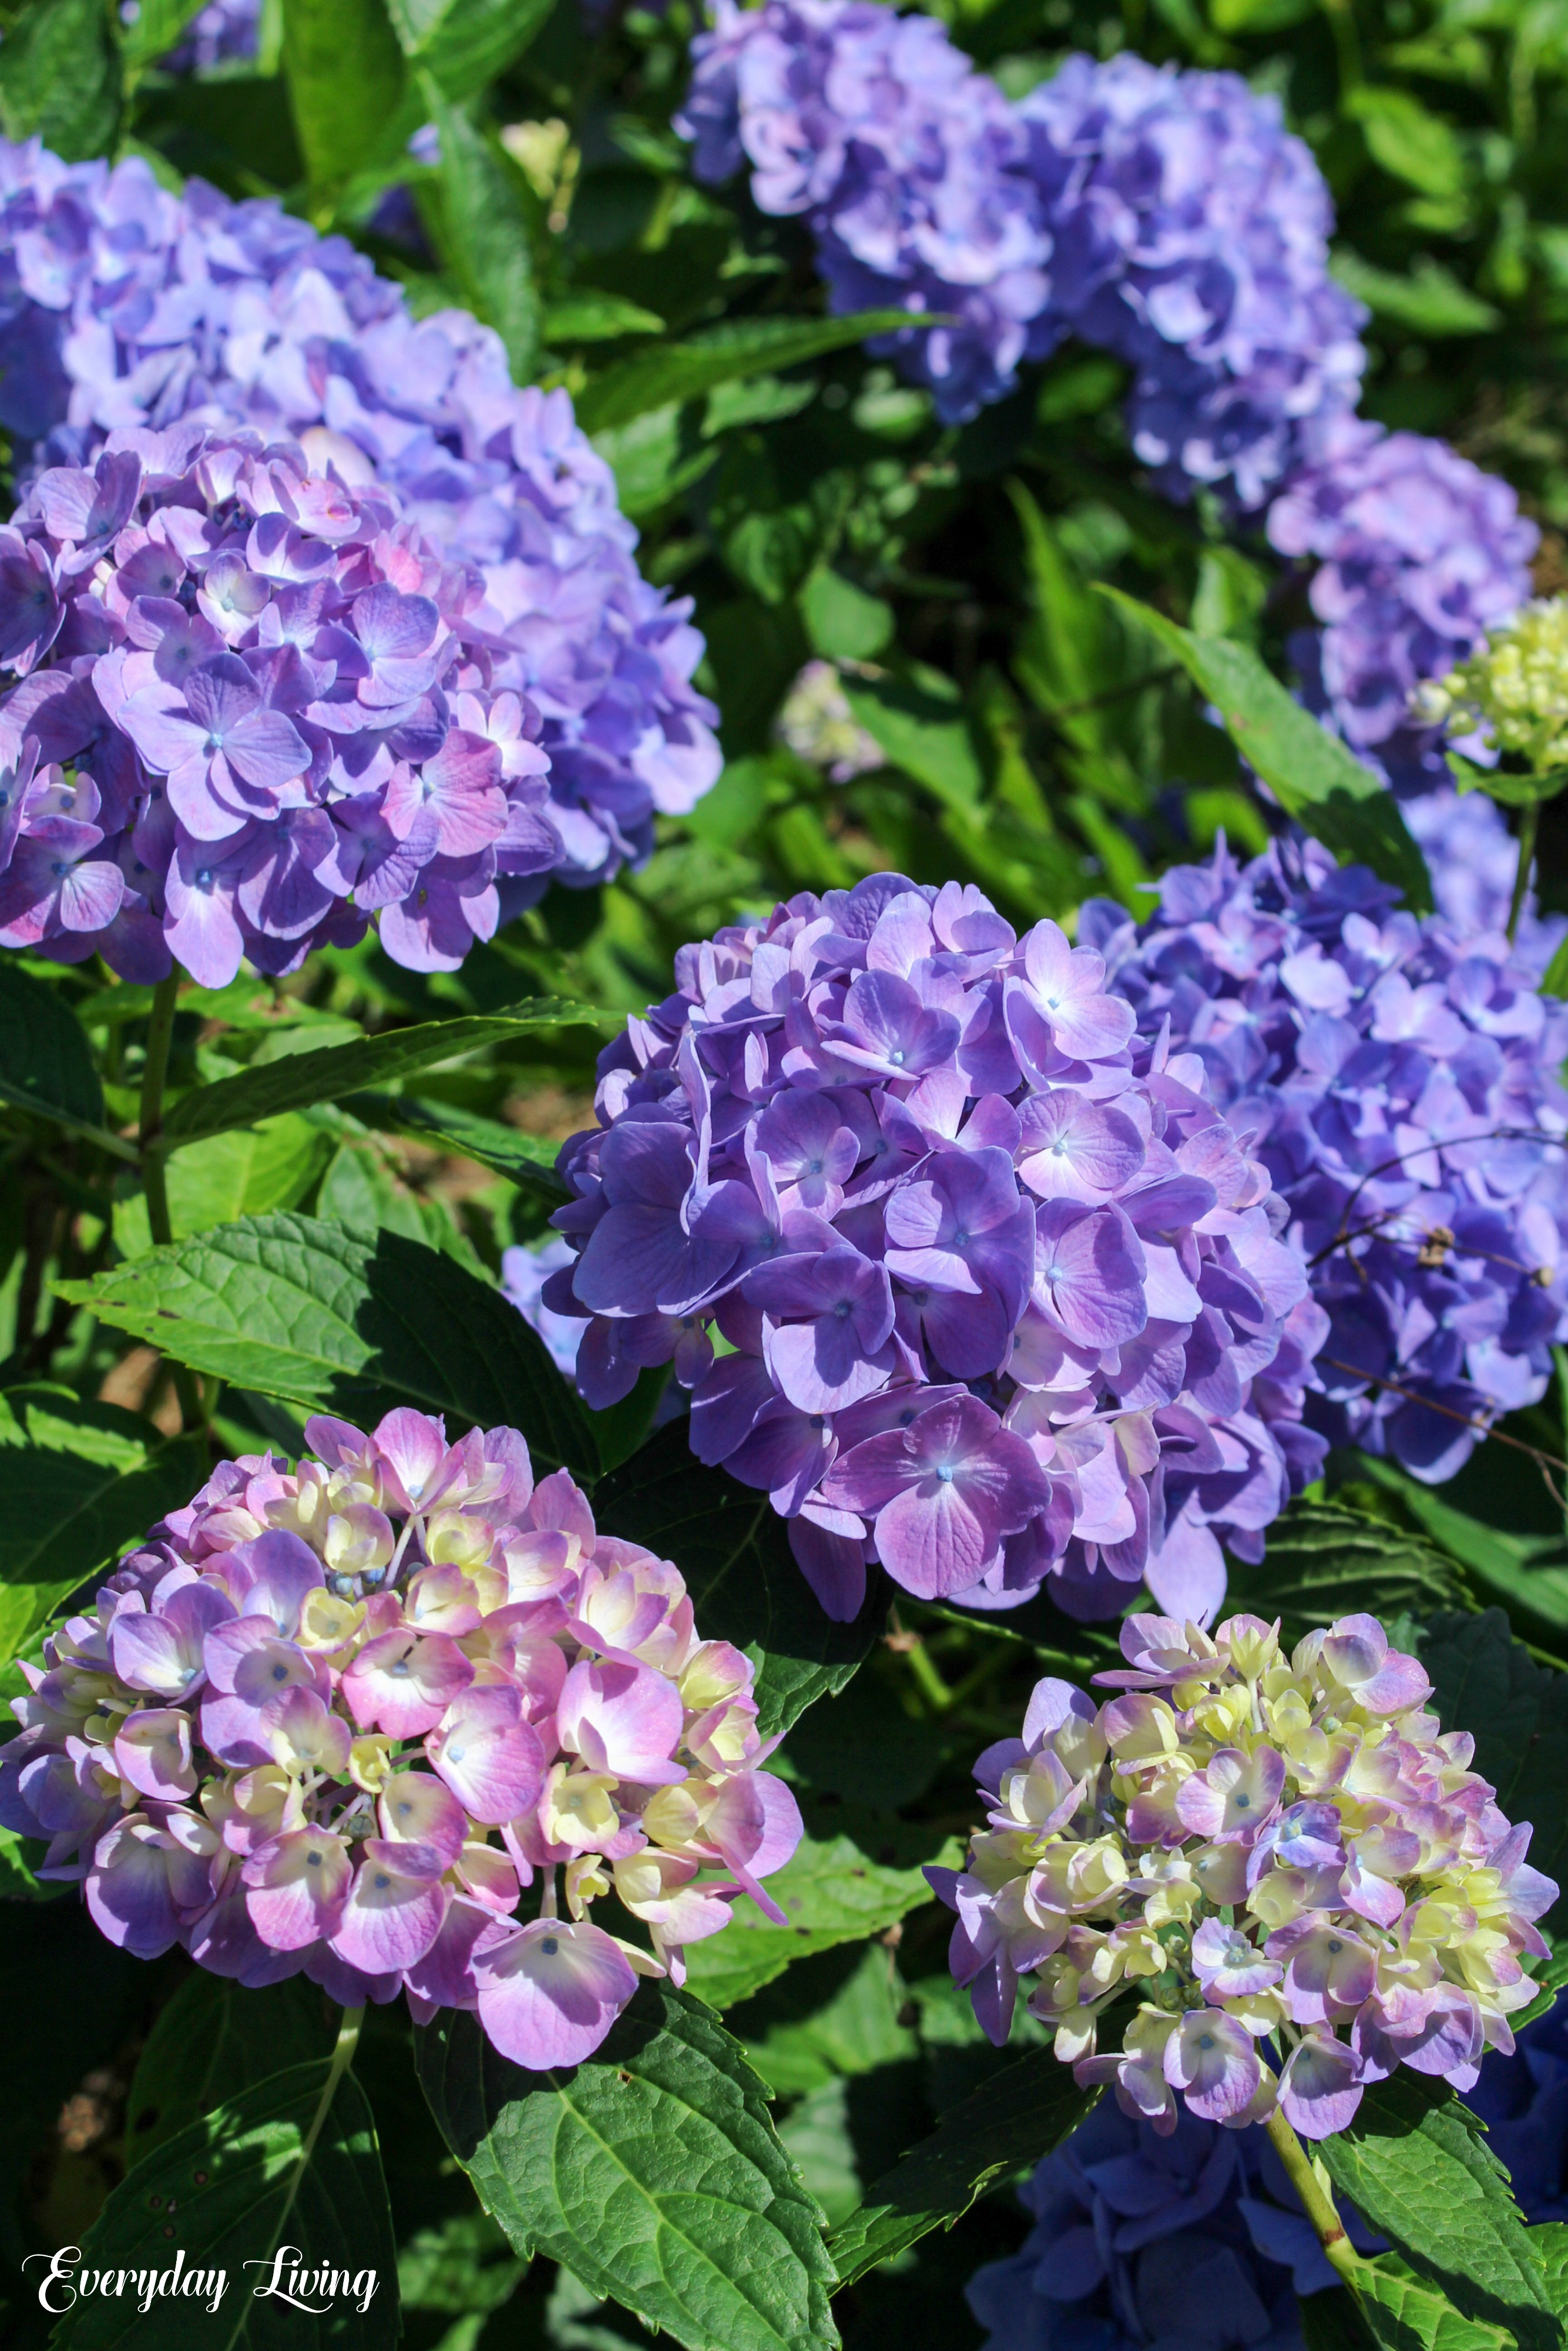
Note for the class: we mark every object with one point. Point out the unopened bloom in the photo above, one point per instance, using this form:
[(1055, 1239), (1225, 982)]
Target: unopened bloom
[(1513, 692), (1324, 1938), (997, 1306), (283, 1763)]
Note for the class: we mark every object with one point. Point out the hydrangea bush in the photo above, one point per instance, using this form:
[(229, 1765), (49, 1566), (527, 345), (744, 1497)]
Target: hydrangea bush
[(1399, 1080), (995, 1308), (336, 1718), (1291, 1870)]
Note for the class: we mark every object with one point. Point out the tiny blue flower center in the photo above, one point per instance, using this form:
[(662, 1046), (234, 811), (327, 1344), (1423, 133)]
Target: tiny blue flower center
[(945, 1473), (383, 1881), (1242, 1802), (314, 1859), (1205, 2040), (549, 1947)]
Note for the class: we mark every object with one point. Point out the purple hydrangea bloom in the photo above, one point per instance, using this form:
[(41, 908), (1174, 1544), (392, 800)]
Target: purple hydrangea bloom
[(1522, 2098), (1190, 236), (524, 1272), (1473, 860), (994, 1307), (122, 305), (225, 32), (279, 714), (351, 1711), (1400, 1083), (1130, 2228), (1418, 554), (909, 167)]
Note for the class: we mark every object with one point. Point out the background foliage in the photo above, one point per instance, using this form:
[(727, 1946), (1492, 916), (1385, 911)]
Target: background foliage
[(1025, 733)]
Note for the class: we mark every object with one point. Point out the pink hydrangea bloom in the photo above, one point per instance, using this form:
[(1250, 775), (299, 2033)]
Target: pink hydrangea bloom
[(356, 1772)]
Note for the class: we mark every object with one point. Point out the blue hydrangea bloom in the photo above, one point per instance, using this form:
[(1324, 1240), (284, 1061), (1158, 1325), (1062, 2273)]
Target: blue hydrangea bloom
[(1190, 237), (1473, 860), (225, 32), (1400, 1083), (122, 305), (1193, 2242), (1418, 553), (1522, 2098), (909, 166)]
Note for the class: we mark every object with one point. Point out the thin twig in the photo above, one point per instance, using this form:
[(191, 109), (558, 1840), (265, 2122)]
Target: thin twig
[(1543, 1461)]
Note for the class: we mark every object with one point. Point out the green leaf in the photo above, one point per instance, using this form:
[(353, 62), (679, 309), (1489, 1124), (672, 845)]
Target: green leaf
[(594, 318), (1430, 300), (464, 44), (841, 620), (734, 1551), (1315, 779), (923, 731), (656, 457), (1529, 1573), (1406, 2316), (77, 1483), (46, 1066), (298, 1080), (681, 371), (525, 1160), (214, 2039), (1554, 981), (342, 1322), (243, 1173), (488, 230), (853, 2032), (1487, 1682), (228, 2190), (652, 2172), (60, 77), (1408, 139), (346, 85), (829, 1893), (1417, 2168), (1323, 1561), (1009, 2124)]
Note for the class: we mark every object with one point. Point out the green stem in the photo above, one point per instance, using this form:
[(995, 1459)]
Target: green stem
[(342, 2058), (155, 1178), (1316, 2201), (1528, 826), (1346, 40)]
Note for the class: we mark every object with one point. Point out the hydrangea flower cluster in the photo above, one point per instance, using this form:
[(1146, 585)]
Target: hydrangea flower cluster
[(946, 1279), (818, 725), (1512, 694), (1285, 1860), (1418, 553), (334, 1719), (1131, 2227), (280, 710), (122, 305), (1190, 234), (1400, 1083), (908, 164), (1164, 215)]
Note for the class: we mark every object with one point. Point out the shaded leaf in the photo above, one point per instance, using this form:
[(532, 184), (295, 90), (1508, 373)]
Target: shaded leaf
[(681, 371), (299, 1079), (79, 1482), (243, 1172), (1408, 139), (214, 2039), (830, 1893), (228, 2190), (924, 732), (1430, 302), (1406, 2314), (1529, 1573), (525, 1160), (154, 31), (464, 44), (1312, 774), (1324, 1561), (732, 1547), (595, 317), (651, 2171), (1019, 2117), (348, 1323), (46, 1064)]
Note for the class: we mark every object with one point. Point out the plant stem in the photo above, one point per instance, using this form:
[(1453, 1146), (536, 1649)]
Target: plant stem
[(342, 2058), (1346, 40), (155, 1178), (1529, 825), (1315, 2198)]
